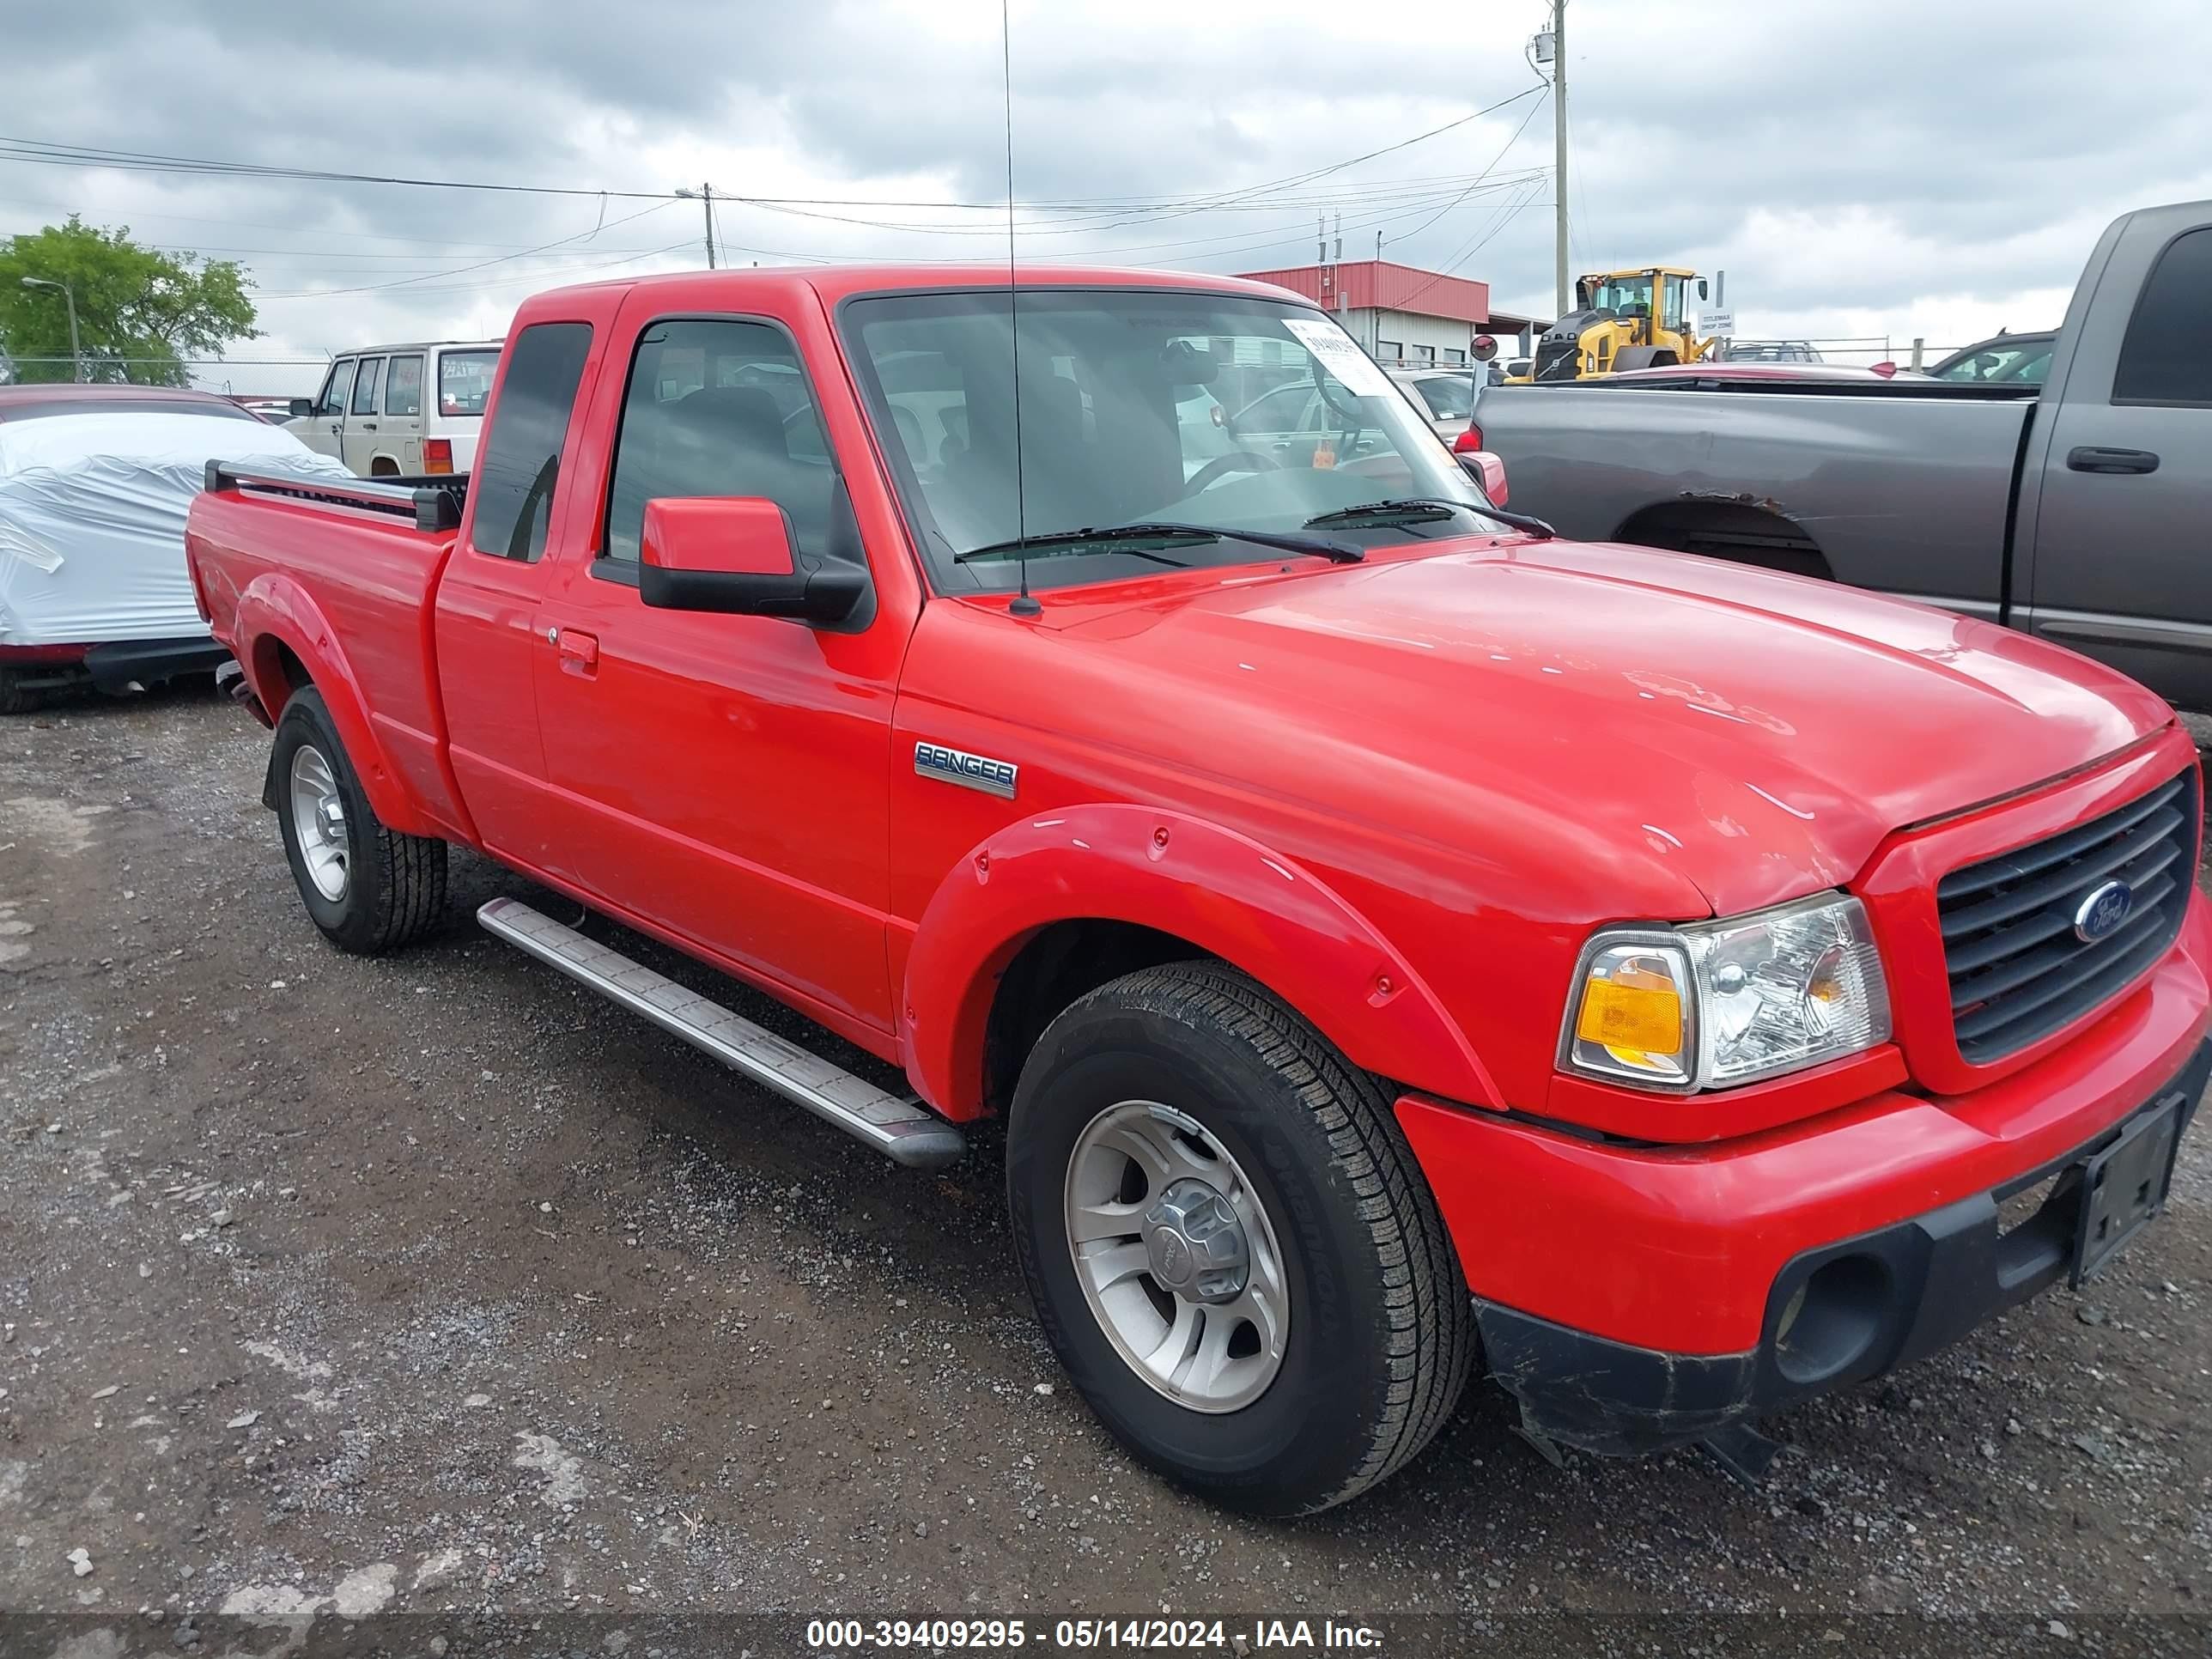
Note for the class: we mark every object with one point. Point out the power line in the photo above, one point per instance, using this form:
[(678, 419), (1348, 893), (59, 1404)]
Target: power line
[(1413, 200), (1081, 218), (528, 277), (45, 152), (460, 270), (42, 152), (1468, 250), (1479, 177)]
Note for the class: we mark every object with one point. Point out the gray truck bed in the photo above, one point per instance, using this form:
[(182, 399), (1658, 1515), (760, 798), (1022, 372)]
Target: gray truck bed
[(2082, 513), (1908, 491)]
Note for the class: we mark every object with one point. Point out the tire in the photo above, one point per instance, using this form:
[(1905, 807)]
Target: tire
[(14, 698), (1379, 1332), (388, 889)]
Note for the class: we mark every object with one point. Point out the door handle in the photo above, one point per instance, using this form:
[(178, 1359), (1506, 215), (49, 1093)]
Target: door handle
[(2095, 458), (368, 426), (578, 653)]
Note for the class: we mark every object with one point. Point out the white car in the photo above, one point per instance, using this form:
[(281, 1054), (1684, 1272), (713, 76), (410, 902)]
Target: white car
[(1289, 423), (1445, 396), (400, 411), (95, 484)]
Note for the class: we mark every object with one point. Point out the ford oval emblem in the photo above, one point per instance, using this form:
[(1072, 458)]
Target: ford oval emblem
[(2102, 910)]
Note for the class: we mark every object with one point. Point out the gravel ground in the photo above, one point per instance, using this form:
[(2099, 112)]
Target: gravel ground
[(437, 1302)]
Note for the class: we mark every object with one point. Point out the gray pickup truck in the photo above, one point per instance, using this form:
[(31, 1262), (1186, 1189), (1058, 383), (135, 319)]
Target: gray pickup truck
[(2081, 513)]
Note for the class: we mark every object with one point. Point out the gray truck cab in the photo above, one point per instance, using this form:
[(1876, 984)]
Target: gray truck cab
[(2113, 536)]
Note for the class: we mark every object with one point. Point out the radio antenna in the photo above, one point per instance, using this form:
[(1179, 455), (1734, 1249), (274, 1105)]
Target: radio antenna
[(1022, 605)]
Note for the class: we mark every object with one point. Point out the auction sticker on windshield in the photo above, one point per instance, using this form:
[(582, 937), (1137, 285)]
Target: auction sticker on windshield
[(1337, 352)]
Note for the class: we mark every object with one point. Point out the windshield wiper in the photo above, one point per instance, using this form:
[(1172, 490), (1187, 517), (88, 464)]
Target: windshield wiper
[(1428, 506), (1287, 541)]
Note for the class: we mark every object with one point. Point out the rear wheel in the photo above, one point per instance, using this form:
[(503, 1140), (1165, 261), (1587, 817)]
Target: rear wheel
[(369, 889), (15, 697), (1231, 1248)]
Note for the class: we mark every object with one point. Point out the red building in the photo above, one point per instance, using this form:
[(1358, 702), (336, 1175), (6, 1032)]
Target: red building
[(1400, 313)]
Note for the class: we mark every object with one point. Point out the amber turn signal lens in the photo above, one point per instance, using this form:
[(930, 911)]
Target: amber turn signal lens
[(1636, 1011)]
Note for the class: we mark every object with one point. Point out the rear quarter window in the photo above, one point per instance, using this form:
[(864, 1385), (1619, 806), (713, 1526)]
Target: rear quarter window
[(464, 380), (513, 490)]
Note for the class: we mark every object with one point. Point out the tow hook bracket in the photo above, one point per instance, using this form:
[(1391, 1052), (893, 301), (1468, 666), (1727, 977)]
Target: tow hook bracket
[(1743, 1454)]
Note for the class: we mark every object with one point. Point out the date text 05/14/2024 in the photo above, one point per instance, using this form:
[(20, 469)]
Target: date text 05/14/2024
[(1186, 1634)]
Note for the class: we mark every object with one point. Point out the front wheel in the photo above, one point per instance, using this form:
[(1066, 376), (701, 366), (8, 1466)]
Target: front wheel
[(1230, 1246)]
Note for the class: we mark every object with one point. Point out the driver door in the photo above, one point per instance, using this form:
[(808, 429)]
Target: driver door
[(323, 430), (726, 778)]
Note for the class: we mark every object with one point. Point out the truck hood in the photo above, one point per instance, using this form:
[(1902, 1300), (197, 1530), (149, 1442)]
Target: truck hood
[(1757, 734)]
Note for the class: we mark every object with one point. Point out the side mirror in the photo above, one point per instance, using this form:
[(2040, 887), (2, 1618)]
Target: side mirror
[(1487, 468), (299, 406), (1701, 288), (732, 554)]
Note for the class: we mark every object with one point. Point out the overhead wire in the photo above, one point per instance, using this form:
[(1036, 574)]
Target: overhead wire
[(460, 270), (52, 153), (1385, 202)]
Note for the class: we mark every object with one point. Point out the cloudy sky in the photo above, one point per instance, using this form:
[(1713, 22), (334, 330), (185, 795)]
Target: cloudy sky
[(1858, 167)]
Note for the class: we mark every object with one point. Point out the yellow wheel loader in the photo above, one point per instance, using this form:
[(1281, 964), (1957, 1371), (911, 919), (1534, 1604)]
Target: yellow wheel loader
[(1621, 319)]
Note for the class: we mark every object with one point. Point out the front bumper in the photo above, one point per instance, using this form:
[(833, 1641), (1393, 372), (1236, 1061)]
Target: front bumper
[(1630, 1295), (1834, 1315)]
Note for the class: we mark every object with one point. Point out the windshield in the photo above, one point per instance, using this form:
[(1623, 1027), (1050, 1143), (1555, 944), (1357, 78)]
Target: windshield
[(465, 381), (1623, 295), (1131, 411), (1448, 397)]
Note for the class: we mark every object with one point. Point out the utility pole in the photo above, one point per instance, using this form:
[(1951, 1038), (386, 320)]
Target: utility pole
[(705, 196), (68, 297), (1559, 155)]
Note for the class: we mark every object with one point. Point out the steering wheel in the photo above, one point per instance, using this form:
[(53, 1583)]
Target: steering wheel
[(1236, 460), (1353, 419)]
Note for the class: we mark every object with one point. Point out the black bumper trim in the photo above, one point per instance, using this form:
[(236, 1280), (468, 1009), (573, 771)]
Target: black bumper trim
[(113, 667), (1891, 1296)]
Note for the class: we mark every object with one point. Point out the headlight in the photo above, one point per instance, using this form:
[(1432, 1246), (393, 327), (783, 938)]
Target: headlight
[(1717, 1003)]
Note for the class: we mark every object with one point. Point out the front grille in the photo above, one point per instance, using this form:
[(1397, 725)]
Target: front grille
[(1557, 360), (2018, 971)]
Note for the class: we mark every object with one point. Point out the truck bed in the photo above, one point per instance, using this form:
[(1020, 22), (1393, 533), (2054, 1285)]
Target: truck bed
[(1901, 486), (358, 561)]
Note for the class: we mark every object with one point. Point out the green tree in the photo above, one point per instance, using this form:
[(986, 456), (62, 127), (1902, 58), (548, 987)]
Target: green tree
[(138, 311)]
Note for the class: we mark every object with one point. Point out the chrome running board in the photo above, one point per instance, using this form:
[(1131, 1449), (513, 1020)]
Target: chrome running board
[(898, 1126)]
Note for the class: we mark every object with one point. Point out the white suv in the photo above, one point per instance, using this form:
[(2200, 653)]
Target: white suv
[(401, 410)]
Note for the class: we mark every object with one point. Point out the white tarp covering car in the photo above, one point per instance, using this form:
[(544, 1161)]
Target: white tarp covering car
[(93, 502)]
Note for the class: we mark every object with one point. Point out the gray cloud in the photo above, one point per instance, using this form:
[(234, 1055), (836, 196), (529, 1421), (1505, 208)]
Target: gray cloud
[(1853, 164)]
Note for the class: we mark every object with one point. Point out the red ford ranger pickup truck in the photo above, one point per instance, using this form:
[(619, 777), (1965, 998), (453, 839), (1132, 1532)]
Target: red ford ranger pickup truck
[(1391, 934)]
